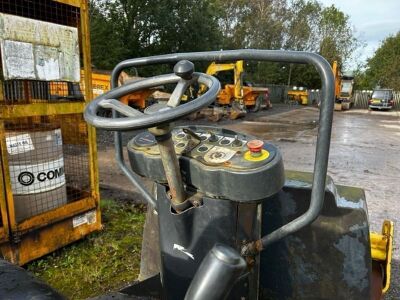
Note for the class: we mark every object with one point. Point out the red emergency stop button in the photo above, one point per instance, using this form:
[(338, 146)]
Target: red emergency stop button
[(255, 147)]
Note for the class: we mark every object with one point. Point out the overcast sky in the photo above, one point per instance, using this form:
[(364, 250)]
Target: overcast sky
[(373, 20)]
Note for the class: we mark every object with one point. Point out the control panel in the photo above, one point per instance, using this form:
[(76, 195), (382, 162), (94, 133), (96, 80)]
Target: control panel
[(216, 161)]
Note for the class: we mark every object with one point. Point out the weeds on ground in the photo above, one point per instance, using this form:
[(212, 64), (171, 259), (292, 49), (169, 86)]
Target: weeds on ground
[(102, 261)]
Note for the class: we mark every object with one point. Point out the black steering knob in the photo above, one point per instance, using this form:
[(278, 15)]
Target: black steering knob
[(184, 69)]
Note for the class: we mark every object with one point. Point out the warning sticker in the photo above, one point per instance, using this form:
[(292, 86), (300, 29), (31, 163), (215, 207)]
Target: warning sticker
[(87, 218), (218, 155), (58, 135), (19, 144)]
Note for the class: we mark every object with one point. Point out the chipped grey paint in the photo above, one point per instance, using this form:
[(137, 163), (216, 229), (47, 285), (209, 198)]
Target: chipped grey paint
[(301, 264), (297, 183), (38, 50), (356, 227), (353, 249), (290, 208), (330, 259), (343, 202)]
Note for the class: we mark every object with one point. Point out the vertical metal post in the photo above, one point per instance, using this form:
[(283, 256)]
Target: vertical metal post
[(290, 74), (93, 169), (170, 164)]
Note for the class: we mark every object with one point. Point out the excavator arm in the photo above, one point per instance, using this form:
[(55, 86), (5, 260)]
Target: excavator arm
[(237, 68)]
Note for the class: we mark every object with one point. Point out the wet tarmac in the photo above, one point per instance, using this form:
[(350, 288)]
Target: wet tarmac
[(365, 152)]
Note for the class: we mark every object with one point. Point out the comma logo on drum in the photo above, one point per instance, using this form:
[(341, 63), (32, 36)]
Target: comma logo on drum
[(28, 178)]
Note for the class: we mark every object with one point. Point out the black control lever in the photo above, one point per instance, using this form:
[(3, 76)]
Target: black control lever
[(184, 69), (217, 274), (192, 134)]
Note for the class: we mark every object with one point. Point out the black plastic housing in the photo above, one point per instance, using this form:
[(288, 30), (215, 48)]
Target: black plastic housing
[(237, 179)]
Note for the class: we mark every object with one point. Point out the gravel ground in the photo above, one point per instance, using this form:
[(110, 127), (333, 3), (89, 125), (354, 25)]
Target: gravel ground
[(365, 149)]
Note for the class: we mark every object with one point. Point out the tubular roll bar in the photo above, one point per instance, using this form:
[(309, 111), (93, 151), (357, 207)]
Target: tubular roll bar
[(324, 131)]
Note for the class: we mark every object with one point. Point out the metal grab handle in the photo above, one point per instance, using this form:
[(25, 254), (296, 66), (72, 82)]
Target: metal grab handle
[(325, 119)]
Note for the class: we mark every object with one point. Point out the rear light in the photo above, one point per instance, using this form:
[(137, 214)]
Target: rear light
[(369, 101), (391, 102)]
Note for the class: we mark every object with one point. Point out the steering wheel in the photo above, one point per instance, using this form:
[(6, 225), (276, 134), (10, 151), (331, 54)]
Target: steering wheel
[(156, 114)]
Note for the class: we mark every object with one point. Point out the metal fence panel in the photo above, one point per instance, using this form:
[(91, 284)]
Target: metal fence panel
[(361, 99), (278, 94)]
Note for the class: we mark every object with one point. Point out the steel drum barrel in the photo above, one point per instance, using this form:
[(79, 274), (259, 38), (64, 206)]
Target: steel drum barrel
[(36, 166)]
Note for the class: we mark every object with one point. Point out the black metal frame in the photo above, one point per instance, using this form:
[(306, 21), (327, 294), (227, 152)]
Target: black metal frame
[(324, 131)]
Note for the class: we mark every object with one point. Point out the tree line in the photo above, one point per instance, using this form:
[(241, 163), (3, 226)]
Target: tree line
[(383, 68), (122, 29)]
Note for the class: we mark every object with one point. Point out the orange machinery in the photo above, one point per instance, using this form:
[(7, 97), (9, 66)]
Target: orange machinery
[(101, 84)]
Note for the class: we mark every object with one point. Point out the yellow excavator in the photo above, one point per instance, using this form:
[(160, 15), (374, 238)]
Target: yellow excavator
[(343, 88), (237, 97)]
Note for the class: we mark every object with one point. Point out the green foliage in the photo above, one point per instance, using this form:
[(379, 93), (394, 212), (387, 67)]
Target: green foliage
[(303, 24), (337, 40), (131, 28), (186, 25), (262, 24), (324, 30), (102, 261), (107, 46), (361, 81), (122, 29), (383, 69)]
